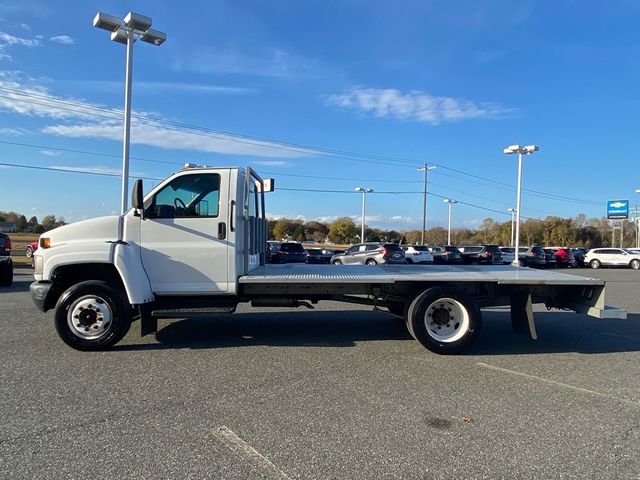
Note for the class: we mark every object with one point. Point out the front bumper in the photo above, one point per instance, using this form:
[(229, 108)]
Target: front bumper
[(40, 291)]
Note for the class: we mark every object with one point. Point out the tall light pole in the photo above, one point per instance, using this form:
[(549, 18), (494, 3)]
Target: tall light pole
[(364, 196), (425, 169), (528, 150), (450, 202), (127, 31), (637, 224), (513, 213)]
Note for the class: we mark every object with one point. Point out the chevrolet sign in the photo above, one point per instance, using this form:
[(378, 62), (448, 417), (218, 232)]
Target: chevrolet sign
[(618, 209)]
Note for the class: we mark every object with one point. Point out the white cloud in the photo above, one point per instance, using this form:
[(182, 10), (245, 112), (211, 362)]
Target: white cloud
[(26, 26), (50, 153), (415, 106), (77, 119), (7, 39), (181, 139), (63, 39), (272, 163), (9, 131)]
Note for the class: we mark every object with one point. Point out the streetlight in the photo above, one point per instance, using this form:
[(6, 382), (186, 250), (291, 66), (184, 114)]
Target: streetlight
[(424, 169), (127, 31), (513, 212), (528, 150), (364, 196), (637, 224), (450, 202)]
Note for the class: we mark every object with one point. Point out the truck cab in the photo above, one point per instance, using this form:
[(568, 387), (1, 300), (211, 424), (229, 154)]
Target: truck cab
[(189, 237)]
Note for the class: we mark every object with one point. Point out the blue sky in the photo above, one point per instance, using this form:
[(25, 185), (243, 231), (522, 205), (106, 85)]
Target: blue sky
[(326, 96)]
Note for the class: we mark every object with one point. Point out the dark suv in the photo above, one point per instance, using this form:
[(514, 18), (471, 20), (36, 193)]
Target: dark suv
[(286, 252), (6, 264), (481, 254), (370, 254), (446, 254), (532, 257)]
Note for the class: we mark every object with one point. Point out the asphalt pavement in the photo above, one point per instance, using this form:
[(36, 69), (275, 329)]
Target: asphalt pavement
[(339, 392)]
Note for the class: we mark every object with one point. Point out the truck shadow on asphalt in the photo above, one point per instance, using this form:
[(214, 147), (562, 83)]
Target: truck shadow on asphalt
[(557, 332)]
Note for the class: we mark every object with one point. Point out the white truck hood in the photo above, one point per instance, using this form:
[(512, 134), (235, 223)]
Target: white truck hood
[(86, 231)]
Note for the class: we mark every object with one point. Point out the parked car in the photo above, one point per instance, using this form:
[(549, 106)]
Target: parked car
[(612, 257), (532, 257), (564, 257), (446, 254), (6, 264), (550, 258), (286, 252), (370, 254), (417, 254), (32, 247), (481, 254), (578, 254), (508, 254), (318, 255)]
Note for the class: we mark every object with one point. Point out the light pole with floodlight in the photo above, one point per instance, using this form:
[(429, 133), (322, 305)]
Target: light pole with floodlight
[(528, 150), (450, 202), (424, 169), (513, 213), (127, 31), (637, 224), (364, 196)]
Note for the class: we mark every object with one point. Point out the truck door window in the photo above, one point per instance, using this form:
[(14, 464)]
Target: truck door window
[(187, 196)]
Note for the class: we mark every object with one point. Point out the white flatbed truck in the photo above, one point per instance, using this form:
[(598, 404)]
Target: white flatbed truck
[(195, 245)]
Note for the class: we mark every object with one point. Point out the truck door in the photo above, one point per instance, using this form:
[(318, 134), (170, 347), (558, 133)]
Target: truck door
[(183, 236)]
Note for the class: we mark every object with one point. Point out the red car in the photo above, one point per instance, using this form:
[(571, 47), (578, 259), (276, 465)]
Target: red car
[(564, 257), (32, 247)]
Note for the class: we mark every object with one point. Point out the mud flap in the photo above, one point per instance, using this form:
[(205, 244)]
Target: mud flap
[(522, 320), (148, 324)]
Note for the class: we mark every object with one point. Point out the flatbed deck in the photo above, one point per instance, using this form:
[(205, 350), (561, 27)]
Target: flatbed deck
[(389, 274)]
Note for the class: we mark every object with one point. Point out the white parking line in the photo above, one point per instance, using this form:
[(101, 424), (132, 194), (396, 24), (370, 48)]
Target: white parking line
[(249, 454), (559, 384)]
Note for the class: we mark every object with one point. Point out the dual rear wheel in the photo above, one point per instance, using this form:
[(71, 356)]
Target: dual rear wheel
[(445, 320)]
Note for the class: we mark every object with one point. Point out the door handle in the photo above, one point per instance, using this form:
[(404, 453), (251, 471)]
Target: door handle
[(222, 231)]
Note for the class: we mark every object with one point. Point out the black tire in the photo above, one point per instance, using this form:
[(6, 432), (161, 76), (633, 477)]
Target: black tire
[(635, 264), (6, 274), (595, 263), (445, 320), (99, 307), (408, 261), (337, 262), (28, 251), (371, 261)]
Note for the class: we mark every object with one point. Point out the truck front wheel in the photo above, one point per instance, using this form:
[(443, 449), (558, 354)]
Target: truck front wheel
[(91, 315), (445, 320)]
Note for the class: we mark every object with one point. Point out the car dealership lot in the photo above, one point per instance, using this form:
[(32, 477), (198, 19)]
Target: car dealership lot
[(337, 392)]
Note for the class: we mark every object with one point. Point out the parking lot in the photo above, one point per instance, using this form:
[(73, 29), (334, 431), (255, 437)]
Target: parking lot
[(335, 393)]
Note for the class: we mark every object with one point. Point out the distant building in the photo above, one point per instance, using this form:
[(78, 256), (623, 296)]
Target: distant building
[(7, 227)]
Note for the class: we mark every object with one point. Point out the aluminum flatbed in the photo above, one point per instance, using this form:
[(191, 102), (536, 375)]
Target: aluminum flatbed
[(387, 274)]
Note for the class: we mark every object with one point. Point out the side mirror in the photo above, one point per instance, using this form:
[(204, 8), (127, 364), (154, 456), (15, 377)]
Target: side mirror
[(137, 200)]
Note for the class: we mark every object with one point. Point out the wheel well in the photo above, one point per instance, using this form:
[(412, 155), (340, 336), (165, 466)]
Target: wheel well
[(65, 276)]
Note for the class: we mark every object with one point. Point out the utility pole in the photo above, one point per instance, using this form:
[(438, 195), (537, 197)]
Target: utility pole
[(424, 169)]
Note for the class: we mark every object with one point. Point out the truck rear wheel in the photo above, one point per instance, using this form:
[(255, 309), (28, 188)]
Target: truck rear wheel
[(92, 315), (445, 320)]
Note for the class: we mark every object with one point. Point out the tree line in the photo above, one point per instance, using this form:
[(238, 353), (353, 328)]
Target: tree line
[(32, 225), (552, 231)]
